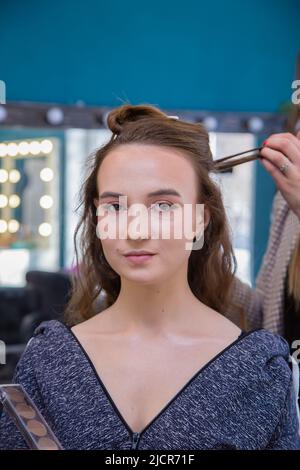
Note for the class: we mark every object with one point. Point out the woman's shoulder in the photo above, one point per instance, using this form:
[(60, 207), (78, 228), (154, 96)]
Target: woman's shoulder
[(45, 352), (47, 337), (266, 354), (266, 342)]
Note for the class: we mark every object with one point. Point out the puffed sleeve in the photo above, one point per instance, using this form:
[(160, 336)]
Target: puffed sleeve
[(24, 374)]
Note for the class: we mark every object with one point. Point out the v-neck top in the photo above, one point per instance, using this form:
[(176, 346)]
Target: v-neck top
[(243, 398)]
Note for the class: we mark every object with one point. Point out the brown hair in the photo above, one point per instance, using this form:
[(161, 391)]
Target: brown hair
[(293, 126), (294, 275), (210, 270)]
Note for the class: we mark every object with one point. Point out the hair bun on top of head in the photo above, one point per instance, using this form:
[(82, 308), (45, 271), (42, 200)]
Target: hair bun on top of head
[(126, 113)]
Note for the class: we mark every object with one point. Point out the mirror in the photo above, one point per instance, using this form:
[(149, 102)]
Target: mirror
[(29, 204)]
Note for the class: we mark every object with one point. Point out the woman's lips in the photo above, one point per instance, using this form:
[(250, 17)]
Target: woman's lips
[(139, 259)]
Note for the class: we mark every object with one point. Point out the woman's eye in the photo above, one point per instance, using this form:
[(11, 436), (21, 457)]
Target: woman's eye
[(158, 206), (113, 207), (162, 206)]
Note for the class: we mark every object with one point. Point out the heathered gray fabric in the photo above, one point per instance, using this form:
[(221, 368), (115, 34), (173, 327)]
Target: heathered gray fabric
[(242, 399)]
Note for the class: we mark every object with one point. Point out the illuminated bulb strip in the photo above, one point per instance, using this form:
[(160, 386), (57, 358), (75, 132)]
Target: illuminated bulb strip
[(34, 147)]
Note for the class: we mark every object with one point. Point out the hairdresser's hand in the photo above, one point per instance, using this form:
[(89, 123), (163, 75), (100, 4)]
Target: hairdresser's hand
[(282, 150)]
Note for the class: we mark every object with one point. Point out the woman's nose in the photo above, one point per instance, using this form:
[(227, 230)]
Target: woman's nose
[(138, 227)]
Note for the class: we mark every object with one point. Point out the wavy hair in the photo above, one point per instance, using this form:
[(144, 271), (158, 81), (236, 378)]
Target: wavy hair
[(293, 126)]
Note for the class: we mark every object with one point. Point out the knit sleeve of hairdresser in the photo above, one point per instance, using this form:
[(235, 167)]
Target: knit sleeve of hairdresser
[(242, 399)]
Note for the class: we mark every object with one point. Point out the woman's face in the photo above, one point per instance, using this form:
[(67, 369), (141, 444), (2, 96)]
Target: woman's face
[(157, 226)]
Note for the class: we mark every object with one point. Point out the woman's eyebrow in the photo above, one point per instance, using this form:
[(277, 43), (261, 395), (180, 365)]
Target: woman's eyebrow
[(158, 192)]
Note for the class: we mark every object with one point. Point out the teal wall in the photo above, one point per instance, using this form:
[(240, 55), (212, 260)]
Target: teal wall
[(220, 55)]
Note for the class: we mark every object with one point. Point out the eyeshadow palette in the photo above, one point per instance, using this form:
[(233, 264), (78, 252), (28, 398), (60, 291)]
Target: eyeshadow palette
[(33, 427)]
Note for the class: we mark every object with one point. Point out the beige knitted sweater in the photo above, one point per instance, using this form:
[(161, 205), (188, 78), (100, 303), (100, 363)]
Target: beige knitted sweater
[(263, 304)]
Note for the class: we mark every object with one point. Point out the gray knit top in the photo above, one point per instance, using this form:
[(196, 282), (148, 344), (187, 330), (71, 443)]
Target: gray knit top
[(241, 399)]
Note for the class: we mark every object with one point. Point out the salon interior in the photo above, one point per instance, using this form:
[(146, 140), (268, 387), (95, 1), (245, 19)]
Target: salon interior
[(233, 66)]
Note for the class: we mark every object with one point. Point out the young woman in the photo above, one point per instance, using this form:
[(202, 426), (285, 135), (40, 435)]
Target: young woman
[(160, 367)]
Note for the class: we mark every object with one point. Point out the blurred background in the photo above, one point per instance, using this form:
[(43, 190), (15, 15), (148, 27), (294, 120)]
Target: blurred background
[(64, 65)]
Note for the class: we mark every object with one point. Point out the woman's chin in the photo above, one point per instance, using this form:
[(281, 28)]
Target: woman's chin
[(141, 277)]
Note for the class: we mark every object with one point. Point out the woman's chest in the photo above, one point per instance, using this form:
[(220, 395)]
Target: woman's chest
[(141, 380)]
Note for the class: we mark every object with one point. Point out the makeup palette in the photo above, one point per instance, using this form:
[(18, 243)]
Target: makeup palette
[(28, 419)]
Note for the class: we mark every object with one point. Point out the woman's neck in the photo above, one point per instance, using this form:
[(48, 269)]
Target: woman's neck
[(155, 308)]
